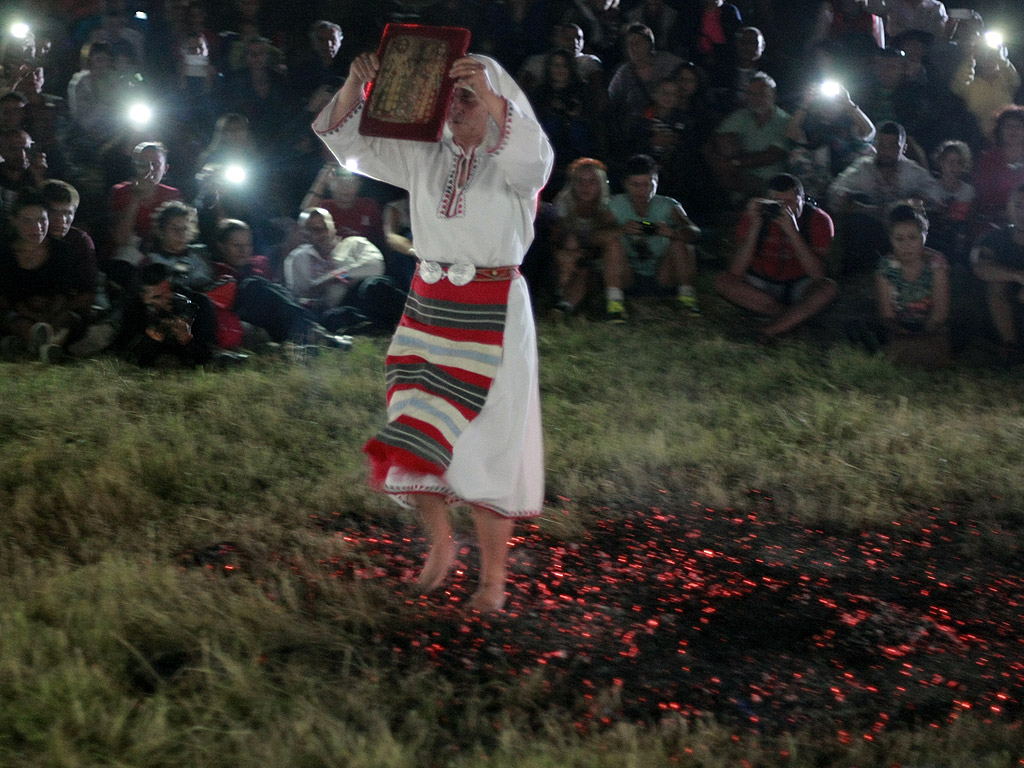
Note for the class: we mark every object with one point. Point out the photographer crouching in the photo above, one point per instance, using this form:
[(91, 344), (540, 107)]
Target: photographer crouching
[(779, 269), (166, 319)]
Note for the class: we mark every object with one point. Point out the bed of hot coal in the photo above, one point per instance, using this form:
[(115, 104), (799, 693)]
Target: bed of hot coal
[(758, 622)]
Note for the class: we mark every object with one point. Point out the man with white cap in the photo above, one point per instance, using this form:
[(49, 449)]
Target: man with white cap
[(463, 402)]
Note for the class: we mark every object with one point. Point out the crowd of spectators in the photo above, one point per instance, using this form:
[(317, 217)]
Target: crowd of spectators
[(163, 193)]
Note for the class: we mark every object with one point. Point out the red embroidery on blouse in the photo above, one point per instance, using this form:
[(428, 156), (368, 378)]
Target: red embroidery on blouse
[(344, 119), (453, 201)]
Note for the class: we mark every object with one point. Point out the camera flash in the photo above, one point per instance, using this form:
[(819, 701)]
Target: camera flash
[(994, 39), (140, 114), (19, 30), (830, 89), (352, 164), (235, 174)]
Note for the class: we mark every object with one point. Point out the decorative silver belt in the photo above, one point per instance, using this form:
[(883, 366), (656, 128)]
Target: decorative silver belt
[(457, 274)]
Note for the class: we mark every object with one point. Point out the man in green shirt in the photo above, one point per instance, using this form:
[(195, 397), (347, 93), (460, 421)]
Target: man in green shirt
[(658, 239)]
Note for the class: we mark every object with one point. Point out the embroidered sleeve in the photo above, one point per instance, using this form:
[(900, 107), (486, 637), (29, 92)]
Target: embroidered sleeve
[(383, 159), (320, 125), (523, 152)]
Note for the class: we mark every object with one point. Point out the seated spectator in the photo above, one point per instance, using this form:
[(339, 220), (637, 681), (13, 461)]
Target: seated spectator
[(191, 271), (913, 294), (197, 83), (336, 190), (62, 201), (829, 132), (922, 15), (915, 46), (240, 189), (730, 82), (889, 95), (259, 302), (999, 263), (709, 30), (750, 145), (986, 80), (949, 233), (133, 203), (860, 195), (248, 19), (260, 92), (162, 321), (630, 89), (20, 167), (320, 71), (324, 272), (778, 269), (566, 114), (231, 142), (567, 37), (586, 236), (175, 227), (116, 29), (1000, 169), (855, 23), (658, 238), (658, 16), (46, 119), (42, 297), (672, 130), (94, 95)]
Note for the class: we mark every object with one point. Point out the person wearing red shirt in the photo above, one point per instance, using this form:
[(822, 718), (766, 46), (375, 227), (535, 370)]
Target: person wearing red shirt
[(778, 269), (336, 190), (132, 203)]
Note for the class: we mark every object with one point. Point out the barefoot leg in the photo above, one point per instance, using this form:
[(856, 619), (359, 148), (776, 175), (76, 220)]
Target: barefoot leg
[(493, 533), (434, 513)]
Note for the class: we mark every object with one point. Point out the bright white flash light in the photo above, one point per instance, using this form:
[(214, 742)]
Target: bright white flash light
[(19, 30), (352, 164), (831, 89), (235, 174), (140, 114), (994, 39)]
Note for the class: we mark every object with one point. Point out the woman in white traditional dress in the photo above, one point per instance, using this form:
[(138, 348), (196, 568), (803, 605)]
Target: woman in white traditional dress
[(463, 401)]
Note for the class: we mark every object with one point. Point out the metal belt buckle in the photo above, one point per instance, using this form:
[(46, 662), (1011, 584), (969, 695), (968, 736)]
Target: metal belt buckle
[(461, 274), (431, 271)]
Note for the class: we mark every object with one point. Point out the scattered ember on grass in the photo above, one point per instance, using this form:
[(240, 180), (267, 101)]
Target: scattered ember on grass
[(761, 623)]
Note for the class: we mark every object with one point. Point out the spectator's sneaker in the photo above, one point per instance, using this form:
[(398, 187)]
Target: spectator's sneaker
[(41, 334), (615, 312), (52, 354), (689, 305)]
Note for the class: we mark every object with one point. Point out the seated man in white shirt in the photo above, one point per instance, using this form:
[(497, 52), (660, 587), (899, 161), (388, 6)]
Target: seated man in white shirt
[(326, 273), (861, 196)]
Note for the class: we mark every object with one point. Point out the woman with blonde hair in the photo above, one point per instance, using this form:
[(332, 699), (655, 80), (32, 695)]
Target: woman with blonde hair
[(586, 234)]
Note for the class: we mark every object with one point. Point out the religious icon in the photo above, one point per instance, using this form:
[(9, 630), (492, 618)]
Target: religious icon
[(409, 97)]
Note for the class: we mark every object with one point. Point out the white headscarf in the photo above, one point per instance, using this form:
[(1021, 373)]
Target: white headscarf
[(506, 86)]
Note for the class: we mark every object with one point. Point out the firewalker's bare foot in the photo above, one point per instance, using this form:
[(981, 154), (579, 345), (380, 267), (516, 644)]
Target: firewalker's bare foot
[(487, 598)]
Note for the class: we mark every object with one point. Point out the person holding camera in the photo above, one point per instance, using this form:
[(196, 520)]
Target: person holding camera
[(778, 269), (658, 238), (162, 320), (829, 131)]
